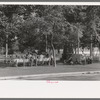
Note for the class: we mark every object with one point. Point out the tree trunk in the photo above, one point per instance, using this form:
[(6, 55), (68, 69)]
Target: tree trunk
[(99, 51), (91, 48), (24, 62), (99, 48), (78, 48), (54, 56), (75, 50), (78, 42), (36, 60), (58, 51), (6, 51), (46, 42), (53, 49), (6, 47)]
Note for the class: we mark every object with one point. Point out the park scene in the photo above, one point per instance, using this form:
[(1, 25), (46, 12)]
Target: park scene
[(50, 42)]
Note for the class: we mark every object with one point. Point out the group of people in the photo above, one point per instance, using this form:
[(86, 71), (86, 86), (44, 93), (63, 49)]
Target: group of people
[(79, 59), (31, 59), (84, 60)]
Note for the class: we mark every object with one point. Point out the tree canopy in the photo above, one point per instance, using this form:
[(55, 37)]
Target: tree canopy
[(45, 27)]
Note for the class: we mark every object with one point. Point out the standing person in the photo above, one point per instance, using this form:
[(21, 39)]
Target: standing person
[(51, 59), (29, 58), (48, 59), (83, 58), (90, 60), (41, 57), (35, 59), (16, 60)]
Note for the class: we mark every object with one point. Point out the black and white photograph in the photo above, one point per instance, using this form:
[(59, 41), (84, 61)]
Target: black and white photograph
[(49, 49), (50, 42)]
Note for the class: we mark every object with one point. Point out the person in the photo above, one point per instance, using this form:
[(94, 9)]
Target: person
[(51, 59), (16, 60), (47, 59), (35, 59), (76, 62), (89, 60), (10, 59), (41, 59), (83, 60), (71, 62), (32, 58)]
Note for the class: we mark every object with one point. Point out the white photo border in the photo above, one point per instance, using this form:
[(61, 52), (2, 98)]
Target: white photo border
[(41, 89)]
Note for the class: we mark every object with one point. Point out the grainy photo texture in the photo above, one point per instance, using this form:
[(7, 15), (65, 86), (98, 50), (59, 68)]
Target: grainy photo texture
[(50, 42)]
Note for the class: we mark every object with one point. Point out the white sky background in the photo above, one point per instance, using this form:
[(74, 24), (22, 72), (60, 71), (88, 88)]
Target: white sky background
[(42, 89)]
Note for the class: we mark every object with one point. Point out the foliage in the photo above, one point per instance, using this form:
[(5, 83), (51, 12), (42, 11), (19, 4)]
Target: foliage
[(49, 26)]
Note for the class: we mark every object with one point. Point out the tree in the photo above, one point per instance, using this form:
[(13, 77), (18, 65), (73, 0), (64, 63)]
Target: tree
[(74, 15), (46, 27), (91, 33), (12, 16), (53, 16)]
